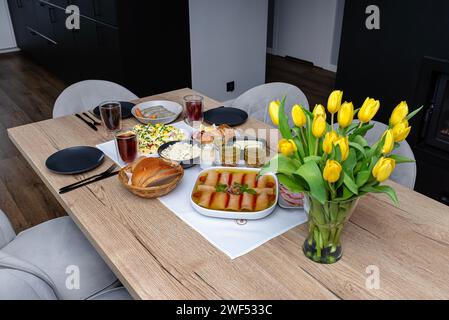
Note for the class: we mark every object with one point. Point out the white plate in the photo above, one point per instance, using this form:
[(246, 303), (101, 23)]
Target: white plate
[(174, 107), (235, 215)]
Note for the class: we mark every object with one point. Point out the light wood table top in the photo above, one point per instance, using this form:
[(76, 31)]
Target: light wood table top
[(158, 256)]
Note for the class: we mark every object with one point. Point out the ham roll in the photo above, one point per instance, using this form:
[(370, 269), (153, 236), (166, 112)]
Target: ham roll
[(205, 198), (219, 201), (212, 178), (234, 200), (248, 199)]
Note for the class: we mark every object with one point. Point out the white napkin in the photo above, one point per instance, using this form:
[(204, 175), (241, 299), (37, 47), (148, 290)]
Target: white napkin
[(226, 235)]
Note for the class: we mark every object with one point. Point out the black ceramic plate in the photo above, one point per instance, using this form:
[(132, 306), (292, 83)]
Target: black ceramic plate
[(75, 160), (126, 110), (185, 164), (229, 116)]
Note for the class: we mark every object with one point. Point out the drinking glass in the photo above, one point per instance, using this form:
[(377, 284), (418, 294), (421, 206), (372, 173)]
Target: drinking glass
[(255, 157), (193, 108), (111, 116), (126, 142), (230, 156)]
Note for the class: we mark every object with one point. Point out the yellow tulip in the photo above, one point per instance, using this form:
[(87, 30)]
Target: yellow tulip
[(399, 113), (287, 147), (329, 140), (346, 114), (389, 142), (401, 131), (319, 127), (332, 171), (368, 110), (334, 101), (298, 115), (274, 111), (343, 143), (319, 111), (383, 169)]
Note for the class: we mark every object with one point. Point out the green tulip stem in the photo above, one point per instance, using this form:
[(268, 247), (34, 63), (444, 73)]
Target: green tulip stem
[(303, 137), (332, 189), (317, 145), (332, 122)]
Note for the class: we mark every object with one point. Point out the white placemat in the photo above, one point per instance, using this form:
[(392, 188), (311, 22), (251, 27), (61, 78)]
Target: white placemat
[(226, 235)]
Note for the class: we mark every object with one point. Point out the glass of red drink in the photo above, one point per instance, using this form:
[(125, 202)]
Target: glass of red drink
[(111, 116), (193, 108), (126, 142)]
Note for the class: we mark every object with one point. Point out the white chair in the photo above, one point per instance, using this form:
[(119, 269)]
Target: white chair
[(256, 100), (37, 263), (405, 174), (86, 95)]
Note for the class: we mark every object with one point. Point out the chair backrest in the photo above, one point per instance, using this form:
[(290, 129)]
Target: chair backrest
[(7, 233), (256, 100), (19, 285), (405, 174), (86, 95)]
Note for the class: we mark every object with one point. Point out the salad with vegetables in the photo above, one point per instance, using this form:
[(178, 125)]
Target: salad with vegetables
[(151, 137)]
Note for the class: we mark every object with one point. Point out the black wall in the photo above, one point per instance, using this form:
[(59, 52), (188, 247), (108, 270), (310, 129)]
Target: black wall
[(388, 64)]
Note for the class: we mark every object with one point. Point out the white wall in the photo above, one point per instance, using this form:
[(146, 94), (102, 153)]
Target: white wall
[(309, 30), (228, 43), (7, 39)]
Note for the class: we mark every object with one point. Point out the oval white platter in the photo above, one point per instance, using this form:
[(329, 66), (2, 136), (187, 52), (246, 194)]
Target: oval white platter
[(236, 215), (171, 106)]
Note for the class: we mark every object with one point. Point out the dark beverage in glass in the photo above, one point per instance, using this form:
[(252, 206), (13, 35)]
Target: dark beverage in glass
[(126, 146), (194, 108), (111, 116)]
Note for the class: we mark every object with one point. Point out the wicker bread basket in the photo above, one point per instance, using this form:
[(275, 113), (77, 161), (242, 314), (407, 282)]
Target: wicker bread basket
[(151, 192)]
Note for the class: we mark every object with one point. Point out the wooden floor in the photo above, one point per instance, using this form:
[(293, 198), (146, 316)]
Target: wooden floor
[(316, 83), (28, 93)]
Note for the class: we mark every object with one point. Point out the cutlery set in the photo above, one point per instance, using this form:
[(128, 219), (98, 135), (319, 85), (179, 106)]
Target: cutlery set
[(92, 123), (104, 175)]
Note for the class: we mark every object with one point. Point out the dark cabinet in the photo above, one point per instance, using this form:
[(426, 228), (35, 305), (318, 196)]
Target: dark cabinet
[(116, 41), (100, 10)]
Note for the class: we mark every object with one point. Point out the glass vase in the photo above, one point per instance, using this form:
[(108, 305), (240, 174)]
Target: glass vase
[(326, 223)]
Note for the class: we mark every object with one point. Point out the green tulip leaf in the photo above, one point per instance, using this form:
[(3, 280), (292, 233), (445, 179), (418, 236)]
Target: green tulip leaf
[(311, 173), (292, 183), (414, 113), (401, 159), (350, 163), (363, 130), (358, 147), (281, 164), (300, 147), (359, 140), (350, 184), (317, 159), (284, 126), (385, 190), (362, 178)]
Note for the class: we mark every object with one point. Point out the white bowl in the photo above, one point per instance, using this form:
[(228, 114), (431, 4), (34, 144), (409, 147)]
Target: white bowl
[(236, 215), (174, 107)]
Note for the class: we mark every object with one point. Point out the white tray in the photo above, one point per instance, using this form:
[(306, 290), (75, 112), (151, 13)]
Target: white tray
[(236, 215)]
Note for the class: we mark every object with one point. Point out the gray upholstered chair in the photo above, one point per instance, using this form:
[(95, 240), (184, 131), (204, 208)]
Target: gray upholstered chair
[(256, 100), (86, 95), (405, 174), (37, 263)]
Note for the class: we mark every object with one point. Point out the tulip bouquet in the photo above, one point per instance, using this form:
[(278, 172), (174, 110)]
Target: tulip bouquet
[(335, 166)]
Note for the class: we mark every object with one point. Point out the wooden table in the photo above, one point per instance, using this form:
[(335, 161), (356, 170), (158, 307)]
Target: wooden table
[(157, 256)]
